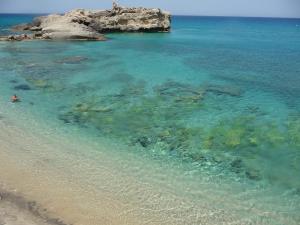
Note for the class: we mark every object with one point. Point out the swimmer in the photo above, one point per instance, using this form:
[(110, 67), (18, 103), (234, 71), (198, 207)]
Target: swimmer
[(14, 98)]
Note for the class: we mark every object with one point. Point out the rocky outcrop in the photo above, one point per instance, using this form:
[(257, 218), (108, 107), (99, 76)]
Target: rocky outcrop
[(131, 19), (17, 37), (89, 25)]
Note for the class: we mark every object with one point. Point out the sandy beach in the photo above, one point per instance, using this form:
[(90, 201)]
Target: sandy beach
[(35, 194)]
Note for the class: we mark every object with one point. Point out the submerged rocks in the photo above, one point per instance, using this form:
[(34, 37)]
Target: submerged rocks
[(253, 174), (17, 37), (72, 60), (144, 141), (88, 25), (23, 87), (158, 123), (226, 90)]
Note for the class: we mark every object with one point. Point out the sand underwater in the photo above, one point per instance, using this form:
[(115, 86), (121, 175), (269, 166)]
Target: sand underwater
[(199, 126)]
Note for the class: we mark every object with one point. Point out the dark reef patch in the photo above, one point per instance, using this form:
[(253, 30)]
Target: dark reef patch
[(72, 60), (121, 77), (157, 121), (23, 87), (14, 81)]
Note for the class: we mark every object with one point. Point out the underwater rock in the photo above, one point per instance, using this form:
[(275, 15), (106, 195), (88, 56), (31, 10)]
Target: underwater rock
[(70, 117), (173, 88), (13, 81), (253, 175), (253, 141), (253, 109), (121, 78), (72, 60), (224, 90), (293, 129), (38, 83), (144, 141), (101, 109), (190, 99), (66, 118), (237, 165), (133, 90), (82, 107), (23, 87), (180, 93), (40, 79)]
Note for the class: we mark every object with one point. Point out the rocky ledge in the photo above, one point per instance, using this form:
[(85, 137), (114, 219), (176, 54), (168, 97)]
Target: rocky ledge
[(83, 24)]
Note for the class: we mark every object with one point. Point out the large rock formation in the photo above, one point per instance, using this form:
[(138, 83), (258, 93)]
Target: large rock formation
[(131, 19), (89, 25)]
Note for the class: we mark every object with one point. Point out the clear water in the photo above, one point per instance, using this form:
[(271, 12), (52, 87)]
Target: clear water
[(220, 95)]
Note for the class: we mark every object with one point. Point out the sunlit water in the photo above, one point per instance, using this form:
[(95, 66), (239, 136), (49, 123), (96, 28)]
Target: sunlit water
[(217, 96)]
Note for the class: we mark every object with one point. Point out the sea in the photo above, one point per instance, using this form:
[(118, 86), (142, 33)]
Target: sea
[(208, 114)]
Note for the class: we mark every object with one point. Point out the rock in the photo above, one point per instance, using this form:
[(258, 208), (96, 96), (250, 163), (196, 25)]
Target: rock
[(38, 34), (72, 60), (20, 37), (131, 19), (102, 109), (223, 90), (23, 87), (58, 27), (21, 27), (13, 81), (39, 83), (253, 175), (236, 165), (35, 28), (88, 25), (144, 141)]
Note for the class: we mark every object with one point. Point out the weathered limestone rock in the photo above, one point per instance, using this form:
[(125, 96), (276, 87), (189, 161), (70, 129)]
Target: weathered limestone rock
[(17, 37), (21, 27), (88, 25), (131, 19)]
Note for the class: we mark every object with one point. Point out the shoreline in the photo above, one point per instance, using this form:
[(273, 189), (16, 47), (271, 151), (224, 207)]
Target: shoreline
[(39, 191), (86, 181)]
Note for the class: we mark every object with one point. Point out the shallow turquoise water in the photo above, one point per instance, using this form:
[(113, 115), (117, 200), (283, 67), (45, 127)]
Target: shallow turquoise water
[(222, 93)]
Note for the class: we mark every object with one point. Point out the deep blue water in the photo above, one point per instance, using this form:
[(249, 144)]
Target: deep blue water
[(216, 91)]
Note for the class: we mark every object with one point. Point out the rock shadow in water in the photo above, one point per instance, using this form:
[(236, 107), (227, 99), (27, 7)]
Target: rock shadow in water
[(22, 87)]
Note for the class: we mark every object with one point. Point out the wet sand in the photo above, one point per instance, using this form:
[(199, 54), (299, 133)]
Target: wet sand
[(15, 210), (31, 181)]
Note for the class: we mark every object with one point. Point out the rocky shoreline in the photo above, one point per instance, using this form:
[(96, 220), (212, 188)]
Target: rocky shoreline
[(83, 24)]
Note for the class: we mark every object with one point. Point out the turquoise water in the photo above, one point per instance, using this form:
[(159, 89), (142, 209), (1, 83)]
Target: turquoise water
[(219, 93)]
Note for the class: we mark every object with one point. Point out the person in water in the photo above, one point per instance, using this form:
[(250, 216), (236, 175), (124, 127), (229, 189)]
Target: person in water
[(15, 98)]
